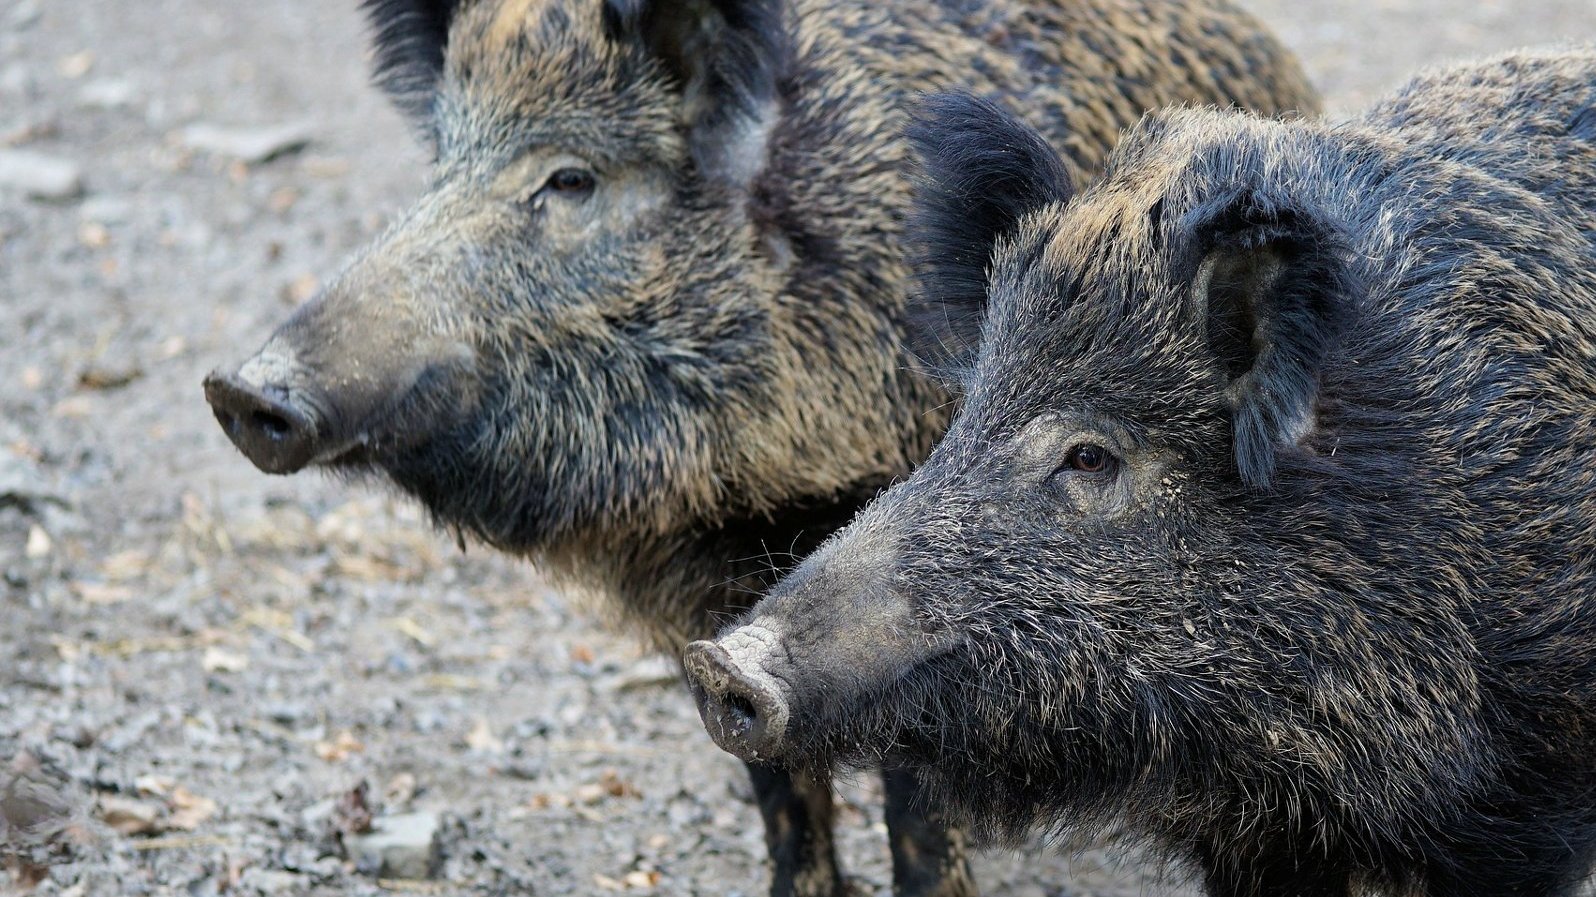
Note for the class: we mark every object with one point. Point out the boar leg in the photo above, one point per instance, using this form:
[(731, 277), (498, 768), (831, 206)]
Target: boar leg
[(797, 812), (927, 856), (1280, 870)]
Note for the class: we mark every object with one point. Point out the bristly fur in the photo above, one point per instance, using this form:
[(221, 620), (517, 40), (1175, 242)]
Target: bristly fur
[(980, 171), (408, 39), (667, 382), (1376, 675)]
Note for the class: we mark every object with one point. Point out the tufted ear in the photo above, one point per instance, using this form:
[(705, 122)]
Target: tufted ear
[(727, 57), (1271, 284), (981, 171), (408, 40)]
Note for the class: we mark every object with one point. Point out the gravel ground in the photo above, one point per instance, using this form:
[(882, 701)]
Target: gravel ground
[(209, 677)]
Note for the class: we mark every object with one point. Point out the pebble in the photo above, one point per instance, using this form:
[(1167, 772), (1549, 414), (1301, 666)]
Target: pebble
[(23, 485), (270, 882), (107, 93), (106, 209), (251, 145), (26, 14), (402, 846), (40, 176)]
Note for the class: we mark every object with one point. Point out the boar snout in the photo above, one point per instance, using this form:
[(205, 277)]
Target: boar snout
[(276, 430), (742, 705)]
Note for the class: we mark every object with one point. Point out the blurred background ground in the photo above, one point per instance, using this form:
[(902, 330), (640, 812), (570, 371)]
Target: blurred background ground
[(200, 664)]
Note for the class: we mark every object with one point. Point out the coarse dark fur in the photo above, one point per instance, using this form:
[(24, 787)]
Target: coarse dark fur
[(669, 377), (1267, 530)]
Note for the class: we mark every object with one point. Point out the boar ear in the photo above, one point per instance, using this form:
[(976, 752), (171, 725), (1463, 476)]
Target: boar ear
[(1272, 286), (408, 40), (981, 171), (727, 57)]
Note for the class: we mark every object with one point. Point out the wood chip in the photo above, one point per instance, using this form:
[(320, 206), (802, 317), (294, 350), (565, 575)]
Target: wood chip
[(415, 631)]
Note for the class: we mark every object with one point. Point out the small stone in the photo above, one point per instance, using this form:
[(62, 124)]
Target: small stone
[(250, 145), (403, 846), (40, 176), (16, 78), (94, 235), (269, 882), (106, 210), (220, 660), (34, 805), (400, 790), (482, 740), (107, 93), (317, 817), (76, 65), (39, 543), (26, 14)]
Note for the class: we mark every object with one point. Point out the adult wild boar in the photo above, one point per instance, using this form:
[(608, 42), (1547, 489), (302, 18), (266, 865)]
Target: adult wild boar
[(645, 326), (1267, 529)]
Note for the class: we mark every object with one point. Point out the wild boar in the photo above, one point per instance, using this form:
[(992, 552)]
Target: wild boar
[(646, 326), (1266, 531)]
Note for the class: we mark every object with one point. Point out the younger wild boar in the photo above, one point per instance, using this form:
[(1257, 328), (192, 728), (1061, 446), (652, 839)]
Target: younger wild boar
[(645, 326), (1267, 529)]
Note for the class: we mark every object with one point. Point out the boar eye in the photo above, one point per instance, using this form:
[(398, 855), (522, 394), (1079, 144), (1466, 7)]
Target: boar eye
[(570, 182), (1089, 458)]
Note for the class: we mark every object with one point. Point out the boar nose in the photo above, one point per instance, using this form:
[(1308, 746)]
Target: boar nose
[(742, 708), (262, 421)]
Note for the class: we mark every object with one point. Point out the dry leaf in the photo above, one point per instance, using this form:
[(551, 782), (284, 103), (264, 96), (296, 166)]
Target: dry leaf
[(97, 377), (352, 814), (189, 810), (129, 816), (615, 786), (125, 566), (641, 879)]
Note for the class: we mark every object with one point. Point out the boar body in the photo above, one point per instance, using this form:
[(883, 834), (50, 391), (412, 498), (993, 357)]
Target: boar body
[(1267, 529), (645, 327)]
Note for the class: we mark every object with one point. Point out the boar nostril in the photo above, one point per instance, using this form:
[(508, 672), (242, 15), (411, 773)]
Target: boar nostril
[(741, 713), (272, 425)]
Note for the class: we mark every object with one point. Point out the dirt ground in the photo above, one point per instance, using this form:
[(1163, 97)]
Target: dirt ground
[(198, 663)]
